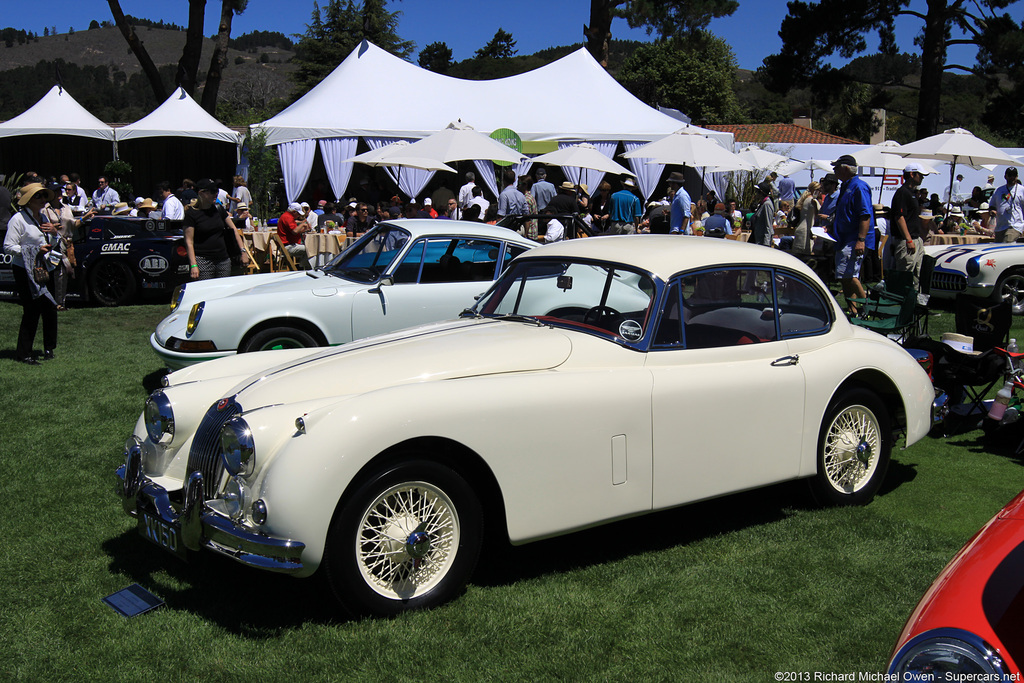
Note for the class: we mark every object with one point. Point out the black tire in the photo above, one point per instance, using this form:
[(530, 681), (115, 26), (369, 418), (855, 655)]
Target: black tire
[(112, 282), (854, 447), (278, 338), (1010, 288), (441, 521)]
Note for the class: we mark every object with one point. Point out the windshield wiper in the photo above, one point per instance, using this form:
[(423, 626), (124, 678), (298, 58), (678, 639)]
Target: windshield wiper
[(523, 319)]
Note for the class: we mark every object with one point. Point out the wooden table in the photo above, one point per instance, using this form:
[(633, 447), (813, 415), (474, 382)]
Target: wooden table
[(940, 238), (320, 247)]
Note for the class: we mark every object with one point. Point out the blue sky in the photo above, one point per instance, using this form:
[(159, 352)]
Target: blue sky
[(465, 25)]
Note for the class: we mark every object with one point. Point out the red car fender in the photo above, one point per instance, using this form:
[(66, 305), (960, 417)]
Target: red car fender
[(980, 590)]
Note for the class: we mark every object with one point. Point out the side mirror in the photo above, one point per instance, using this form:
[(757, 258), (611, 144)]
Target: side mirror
[(385, 281)]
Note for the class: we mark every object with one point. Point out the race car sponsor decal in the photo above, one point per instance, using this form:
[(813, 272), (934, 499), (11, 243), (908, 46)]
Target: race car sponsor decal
[(116, 247), (990, 263), (6, 259), (154, 264)]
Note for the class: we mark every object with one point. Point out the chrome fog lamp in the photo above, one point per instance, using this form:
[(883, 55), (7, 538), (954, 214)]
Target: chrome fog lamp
[(946, 651), (159, 416), (237, 448), (259, 512), (176, 297), (193, 318)]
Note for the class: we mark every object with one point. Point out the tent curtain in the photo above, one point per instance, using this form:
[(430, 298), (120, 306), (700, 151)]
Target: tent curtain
[(410, 181), (719, 182), (296, 164), (486, 169), (333, 150), (647, 175), (588, 176)]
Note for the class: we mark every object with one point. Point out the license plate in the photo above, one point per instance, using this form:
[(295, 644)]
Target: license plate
[(165, 535)]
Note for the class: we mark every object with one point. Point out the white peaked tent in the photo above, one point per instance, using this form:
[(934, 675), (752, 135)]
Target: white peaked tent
[(537, 105), (57, 113), (179, 116)]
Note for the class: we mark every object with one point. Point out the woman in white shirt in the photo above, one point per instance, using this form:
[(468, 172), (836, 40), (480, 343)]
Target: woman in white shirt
[(29, 234)]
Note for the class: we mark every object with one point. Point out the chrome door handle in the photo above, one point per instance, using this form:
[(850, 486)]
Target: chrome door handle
[(785, 360)]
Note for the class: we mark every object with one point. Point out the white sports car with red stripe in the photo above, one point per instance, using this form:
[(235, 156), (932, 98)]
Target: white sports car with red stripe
[(982, 270)]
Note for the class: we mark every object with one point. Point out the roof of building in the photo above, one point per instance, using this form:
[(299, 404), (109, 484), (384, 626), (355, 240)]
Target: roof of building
[(783, 133)]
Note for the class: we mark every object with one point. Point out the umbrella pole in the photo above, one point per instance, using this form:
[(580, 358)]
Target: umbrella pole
[(949, 198)]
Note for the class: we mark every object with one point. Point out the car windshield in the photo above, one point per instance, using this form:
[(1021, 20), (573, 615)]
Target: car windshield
[(607, 299), (370, 256)]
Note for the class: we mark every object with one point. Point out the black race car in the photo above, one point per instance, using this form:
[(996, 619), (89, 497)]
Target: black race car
[(120, 258)]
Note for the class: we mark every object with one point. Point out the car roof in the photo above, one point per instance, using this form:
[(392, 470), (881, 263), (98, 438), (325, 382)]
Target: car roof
[(666, 255), (419, 227)]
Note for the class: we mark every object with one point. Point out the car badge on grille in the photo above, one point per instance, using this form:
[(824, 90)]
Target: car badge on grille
[(223, 403)]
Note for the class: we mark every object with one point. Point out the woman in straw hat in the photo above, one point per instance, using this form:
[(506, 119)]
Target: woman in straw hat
[(30, 234), (60, 214)]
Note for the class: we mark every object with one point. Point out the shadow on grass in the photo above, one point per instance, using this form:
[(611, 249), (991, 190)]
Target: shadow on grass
[(152, 381), (209, 585)]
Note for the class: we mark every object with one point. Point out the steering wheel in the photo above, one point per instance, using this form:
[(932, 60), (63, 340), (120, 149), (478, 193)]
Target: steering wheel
[(599, 314)]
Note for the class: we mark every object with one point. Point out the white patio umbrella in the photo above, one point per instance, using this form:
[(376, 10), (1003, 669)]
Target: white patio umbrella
[(397, 154), (582, 155), (883, 155), (689, 149), (761, 159), (459, 142), (957, 145), (811, 165)]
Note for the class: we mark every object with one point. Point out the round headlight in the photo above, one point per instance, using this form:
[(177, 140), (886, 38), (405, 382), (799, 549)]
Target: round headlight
[(193, 318), (159, 418), (946, 651), (237, 449), (973, 267), (176, 297)]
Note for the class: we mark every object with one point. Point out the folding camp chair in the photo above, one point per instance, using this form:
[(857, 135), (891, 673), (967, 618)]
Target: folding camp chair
[(898, 324)]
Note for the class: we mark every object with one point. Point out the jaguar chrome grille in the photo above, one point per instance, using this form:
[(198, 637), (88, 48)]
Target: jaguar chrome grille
[(205, 454), (949, 282)]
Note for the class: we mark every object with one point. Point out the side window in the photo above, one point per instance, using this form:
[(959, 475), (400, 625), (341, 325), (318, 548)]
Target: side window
[(802, 311), (409, 269), (511, 251), (670, 326), (728, 307), (460, 260)]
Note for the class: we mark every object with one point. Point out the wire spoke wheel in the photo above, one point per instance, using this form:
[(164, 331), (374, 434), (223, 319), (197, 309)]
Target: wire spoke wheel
[(852, 447), (408, 540)]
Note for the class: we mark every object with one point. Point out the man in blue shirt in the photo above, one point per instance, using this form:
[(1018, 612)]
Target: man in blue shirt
[(854, 227), (682, 206), (542, 190), (511, 201), (787, 189), (105, 195), (624, 210)]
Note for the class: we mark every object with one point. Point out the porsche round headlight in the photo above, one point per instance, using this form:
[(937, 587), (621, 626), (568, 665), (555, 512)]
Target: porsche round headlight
[(973, 267), (176, 297), (946, 651), (237, 449), (159, 417), (193, 318)]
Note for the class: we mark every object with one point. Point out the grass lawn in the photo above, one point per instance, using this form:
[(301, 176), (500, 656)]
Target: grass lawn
[(734, 589)]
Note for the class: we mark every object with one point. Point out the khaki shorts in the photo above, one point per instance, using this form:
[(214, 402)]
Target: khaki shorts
[(1008, 235)]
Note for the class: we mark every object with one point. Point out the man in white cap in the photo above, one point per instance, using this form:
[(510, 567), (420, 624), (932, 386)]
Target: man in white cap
[(624, 210), (905, 223), (309, 216), (291, 227)]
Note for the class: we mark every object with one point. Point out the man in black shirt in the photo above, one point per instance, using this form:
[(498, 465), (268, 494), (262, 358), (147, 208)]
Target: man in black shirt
[(905, 224), (331, 215), (564, 203)]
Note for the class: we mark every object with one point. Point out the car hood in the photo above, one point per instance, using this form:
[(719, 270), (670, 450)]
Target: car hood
[(303, 281), (430, 353), (956, 257)]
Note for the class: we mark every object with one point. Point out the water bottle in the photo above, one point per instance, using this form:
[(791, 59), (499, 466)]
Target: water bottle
[(1003, 396), (1011, 348)]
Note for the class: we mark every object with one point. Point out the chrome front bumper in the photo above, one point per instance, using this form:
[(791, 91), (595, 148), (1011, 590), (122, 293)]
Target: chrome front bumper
[(197, 525)]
